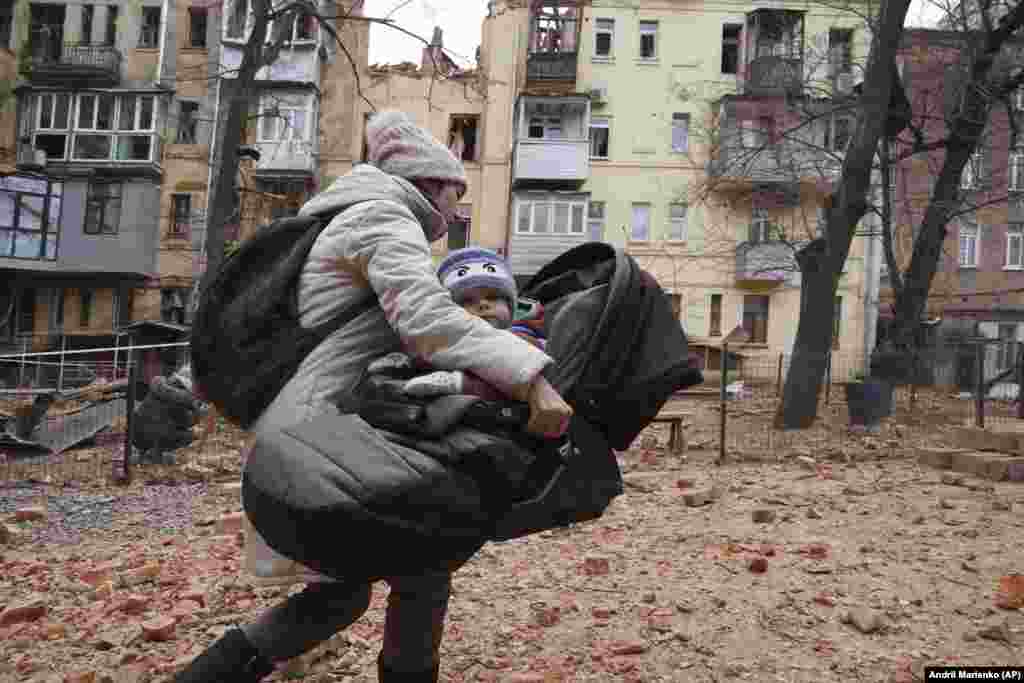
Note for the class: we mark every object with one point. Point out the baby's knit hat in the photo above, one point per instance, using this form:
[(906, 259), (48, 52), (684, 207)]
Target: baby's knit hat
[(399, 147), (464, 269)]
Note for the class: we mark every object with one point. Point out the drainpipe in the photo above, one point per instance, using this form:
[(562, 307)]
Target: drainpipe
[(872, 273), (164, 23), (509, 219)]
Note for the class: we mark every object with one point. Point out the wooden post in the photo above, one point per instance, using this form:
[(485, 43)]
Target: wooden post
[(722, 400), (1020, 382), (828, 378), (60, 373), (778, 377), (979, 384), (129, 430)]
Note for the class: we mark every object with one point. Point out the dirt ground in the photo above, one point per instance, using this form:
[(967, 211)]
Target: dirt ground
[(862, 566)]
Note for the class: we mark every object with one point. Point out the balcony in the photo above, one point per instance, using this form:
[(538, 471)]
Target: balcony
[(551, 160), (546, 67), (51, 63), (774, 76), (763, 264), (289, 157)]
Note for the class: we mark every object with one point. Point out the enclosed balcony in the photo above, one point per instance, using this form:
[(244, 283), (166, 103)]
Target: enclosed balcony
[(764, 263), (50, 61), (764, 141), (775, 52), (553, 45), (552, 145)]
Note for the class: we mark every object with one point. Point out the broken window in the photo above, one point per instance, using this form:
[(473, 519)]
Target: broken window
[(462, 136), (604, 34), (755, 317), (553, 28)]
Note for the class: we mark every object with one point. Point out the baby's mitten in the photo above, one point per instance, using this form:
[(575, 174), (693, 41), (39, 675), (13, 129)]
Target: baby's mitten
[(439, 383), (390, 363)]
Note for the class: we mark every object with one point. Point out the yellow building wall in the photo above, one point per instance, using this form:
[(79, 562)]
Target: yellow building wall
[(643, 168)]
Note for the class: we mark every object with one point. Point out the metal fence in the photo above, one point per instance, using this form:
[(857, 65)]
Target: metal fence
[(84, 431), (967, 382), (53, 429)]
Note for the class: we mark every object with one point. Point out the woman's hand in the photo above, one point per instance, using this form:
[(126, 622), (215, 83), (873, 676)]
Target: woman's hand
[(549, 413)]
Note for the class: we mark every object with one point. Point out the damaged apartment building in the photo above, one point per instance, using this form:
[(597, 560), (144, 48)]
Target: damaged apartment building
[(106, 142)]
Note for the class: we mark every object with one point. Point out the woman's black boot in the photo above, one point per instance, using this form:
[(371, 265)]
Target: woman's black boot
[(386, 675), (232, 659)]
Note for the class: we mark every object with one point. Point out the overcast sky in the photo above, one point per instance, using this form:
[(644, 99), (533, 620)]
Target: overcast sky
[(461, 19)]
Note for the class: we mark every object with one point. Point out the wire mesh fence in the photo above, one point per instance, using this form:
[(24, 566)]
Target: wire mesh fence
[(53, 430), (82, 432)]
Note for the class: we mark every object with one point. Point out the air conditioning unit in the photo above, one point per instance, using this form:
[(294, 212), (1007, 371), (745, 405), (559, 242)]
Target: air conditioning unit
[(844, 83), (598, 94)]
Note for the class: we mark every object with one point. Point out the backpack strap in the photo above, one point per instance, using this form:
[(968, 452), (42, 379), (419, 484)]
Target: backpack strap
[(328, 328)]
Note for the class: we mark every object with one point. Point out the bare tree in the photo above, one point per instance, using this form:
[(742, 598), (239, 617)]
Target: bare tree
[(983, 76)]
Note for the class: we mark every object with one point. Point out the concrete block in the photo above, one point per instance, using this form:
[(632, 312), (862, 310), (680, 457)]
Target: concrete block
[(987, 439), (941, 458)]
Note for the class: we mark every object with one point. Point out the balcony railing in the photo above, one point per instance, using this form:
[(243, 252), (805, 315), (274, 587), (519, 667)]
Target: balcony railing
[(551, 66), (50, 61), (552, 160)]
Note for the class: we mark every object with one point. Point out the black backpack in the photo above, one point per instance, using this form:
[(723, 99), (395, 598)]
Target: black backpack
[(246, 340)]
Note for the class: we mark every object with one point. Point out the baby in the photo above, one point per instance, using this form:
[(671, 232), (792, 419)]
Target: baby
[(479, 280)]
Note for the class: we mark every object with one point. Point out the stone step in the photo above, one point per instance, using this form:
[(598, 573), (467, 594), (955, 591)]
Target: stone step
[(990, 465)]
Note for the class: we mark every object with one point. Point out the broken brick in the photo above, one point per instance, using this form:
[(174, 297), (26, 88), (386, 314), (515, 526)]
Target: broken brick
[(596, 566), (29, 514), (158, 629), (27, 610)]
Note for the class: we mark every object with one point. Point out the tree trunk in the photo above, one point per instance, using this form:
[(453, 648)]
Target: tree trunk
[(810, 351), (235, 100), (821, 262)]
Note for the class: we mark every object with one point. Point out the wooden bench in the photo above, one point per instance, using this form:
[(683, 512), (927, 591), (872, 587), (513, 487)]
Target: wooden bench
[(676, 419)]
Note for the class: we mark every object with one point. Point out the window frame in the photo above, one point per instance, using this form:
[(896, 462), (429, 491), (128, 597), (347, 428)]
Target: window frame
[(1014, 233), (144, 40), (599, 123), (600, 30), (728, 43), (596, 216), (715, 325), (684, 118), (1015, 181), (47, 229), (844, 65), (756, 315), (175, 228), (193, 12), (102, 201), (683, 223), (648, 28), (110, 30), (967, 233), (191, 125), (475, 147), (552, 203), (87, 24), (280, 124), (759, 231), (633, 237)]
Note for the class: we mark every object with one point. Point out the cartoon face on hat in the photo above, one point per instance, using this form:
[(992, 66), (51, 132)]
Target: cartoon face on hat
[(474, 267)]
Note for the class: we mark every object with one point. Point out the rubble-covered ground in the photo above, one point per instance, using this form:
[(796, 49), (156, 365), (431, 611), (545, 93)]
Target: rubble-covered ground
[(821, 556)]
